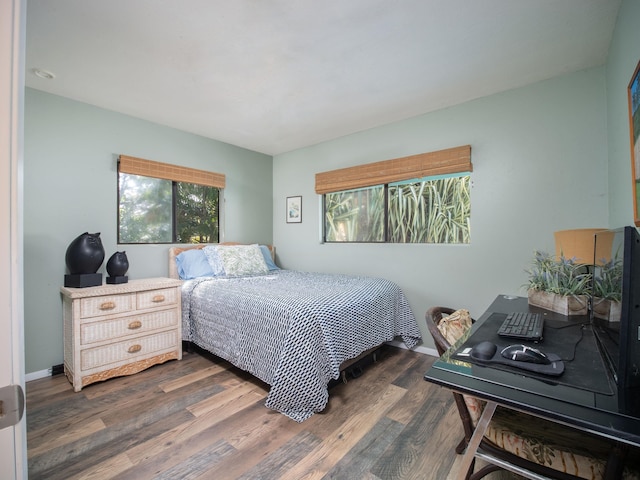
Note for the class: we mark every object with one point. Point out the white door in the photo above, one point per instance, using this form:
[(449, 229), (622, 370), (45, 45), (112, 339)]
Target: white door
[(13, 446)]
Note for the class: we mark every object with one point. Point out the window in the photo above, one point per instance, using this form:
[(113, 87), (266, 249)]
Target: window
[(399, 209), (426, 211), (161, 203), (355, 215), (433, 210)]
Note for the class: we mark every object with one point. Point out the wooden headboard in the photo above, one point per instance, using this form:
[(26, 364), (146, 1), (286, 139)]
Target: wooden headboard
[(175, 251)]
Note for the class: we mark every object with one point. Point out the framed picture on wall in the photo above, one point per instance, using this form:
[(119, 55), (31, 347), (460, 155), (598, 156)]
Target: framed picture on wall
[(294, 209), (634, 133)]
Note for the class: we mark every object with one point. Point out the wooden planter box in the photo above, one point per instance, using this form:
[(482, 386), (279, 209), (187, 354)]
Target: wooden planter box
[(566, 305), (609, 310)]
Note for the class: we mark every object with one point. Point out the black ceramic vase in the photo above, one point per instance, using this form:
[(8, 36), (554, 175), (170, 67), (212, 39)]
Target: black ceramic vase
[(118, 264), (85, 254)]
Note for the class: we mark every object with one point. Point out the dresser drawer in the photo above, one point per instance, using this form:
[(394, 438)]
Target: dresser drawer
[(106, 305), (120, 329), (91, 332), (128, 350), (157, 298)]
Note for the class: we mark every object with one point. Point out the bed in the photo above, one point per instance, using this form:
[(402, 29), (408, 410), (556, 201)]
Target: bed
[(293, 330)]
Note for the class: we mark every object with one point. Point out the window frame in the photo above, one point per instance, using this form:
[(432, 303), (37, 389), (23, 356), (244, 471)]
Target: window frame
[(386, 213), (176, 175)]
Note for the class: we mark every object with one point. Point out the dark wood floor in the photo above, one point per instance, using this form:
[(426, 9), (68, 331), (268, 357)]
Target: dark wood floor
[(201, 418)]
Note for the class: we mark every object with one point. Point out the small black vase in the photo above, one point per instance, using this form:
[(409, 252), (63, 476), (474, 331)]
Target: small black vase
[(85, 254), (118, 264)]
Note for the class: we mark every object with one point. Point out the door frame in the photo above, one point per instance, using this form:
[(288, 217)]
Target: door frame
[(13, 440)]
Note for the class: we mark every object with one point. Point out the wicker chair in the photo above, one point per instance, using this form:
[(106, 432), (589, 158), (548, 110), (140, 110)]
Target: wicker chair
[(613, 454)]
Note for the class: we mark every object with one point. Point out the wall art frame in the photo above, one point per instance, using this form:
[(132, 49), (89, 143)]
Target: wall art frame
[(294, 209), (633, 92)]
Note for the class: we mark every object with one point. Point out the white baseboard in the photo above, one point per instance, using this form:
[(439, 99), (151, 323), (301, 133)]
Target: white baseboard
[(36, 375), (420, 349)]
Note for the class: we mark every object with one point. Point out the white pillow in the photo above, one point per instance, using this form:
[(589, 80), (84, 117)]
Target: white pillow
[(240, 260)]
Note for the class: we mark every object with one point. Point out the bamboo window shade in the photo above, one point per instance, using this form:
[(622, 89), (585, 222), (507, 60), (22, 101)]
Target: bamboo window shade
[(442, 162), (166, 171)]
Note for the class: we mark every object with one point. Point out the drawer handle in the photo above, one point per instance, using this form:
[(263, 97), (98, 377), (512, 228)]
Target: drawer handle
[(158, 299), (134, 348), (107, 306), (135, 325)]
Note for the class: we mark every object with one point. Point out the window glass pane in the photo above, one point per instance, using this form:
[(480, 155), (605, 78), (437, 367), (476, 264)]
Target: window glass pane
[(196, 213), (434, 210), (144, 209), (355, 215)]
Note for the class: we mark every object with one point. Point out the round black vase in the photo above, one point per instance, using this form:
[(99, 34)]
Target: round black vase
[(85, 254), (118, 264)]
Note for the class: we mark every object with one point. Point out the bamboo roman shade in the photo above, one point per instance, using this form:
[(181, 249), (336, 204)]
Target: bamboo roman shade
[(451, 160), (149, 168)]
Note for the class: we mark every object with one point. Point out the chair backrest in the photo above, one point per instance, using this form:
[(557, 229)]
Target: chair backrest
[(434, 316)]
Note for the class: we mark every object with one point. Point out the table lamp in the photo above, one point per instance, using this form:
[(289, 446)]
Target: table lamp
[(579, 243)]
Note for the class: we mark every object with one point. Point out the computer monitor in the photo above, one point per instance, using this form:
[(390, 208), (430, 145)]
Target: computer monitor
[(618, 331)]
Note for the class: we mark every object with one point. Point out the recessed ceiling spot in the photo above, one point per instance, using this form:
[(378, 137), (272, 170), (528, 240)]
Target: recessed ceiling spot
[(43, 74)]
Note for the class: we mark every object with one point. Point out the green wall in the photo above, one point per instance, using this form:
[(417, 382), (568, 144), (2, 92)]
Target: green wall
[(549, 156), (624, 54), (539, 159), (70, 187)]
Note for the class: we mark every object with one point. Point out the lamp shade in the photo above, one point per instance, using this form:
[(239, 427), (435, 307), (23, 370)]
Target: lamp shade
[(605, 247), (578, 243)]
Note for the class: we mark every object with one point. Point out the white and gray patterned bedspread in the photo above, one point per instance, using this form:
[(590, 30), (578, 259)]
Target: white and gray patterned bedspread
[(293, 329)]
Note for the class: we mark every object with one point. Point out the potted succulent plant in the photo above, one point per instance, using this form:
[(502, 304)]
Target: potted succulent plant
[(559, 284), (607, 290)]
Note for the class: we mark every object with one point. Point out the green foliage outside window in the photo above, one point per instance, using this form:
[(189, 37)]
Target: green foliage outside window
[(196, 213), (355, 215), (152, 210), (432, 210)]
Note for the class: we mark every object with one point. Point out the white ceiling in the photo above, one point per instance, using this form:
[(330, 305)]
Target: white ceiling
[(277, 75)]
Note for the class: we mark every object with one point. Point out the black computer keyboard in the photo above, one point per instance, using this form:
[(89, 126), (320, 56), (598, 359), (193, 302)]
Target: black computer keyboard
[(523, 326)]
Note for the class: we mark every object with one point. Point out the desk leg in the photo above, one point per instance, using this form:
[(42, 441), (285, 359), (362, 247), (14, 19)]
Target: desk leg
[(476, 438)]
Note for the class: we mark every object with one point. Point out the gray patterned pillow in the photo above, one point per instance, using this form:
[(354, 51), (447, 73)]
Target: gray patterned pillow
[(211, 252), (240, 260)]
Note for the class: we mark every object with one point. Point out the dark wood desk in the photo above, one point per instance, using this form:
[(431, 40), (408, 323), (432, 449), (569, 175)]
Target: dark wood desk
[(610, 414)]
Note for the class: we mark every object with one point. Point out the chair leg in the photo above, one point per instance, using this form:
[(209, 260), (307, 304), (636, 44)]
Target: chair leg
[(615, 462), (461, 446), (470, 471)]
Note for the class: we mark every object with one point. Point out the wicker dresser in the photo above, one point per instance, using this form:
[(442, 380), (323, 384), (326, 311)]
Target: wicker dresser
[(113, 330)]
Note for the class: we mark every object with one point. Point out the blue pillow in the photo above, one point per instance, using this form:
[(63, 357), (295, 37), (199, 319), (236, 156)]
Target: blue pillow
[(266, 253), (193, 264)]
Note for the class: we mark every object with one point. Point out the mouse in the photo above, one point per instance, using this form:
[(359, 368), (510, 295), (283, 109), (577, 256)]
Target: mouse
[(522, 353), (484, 350)]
